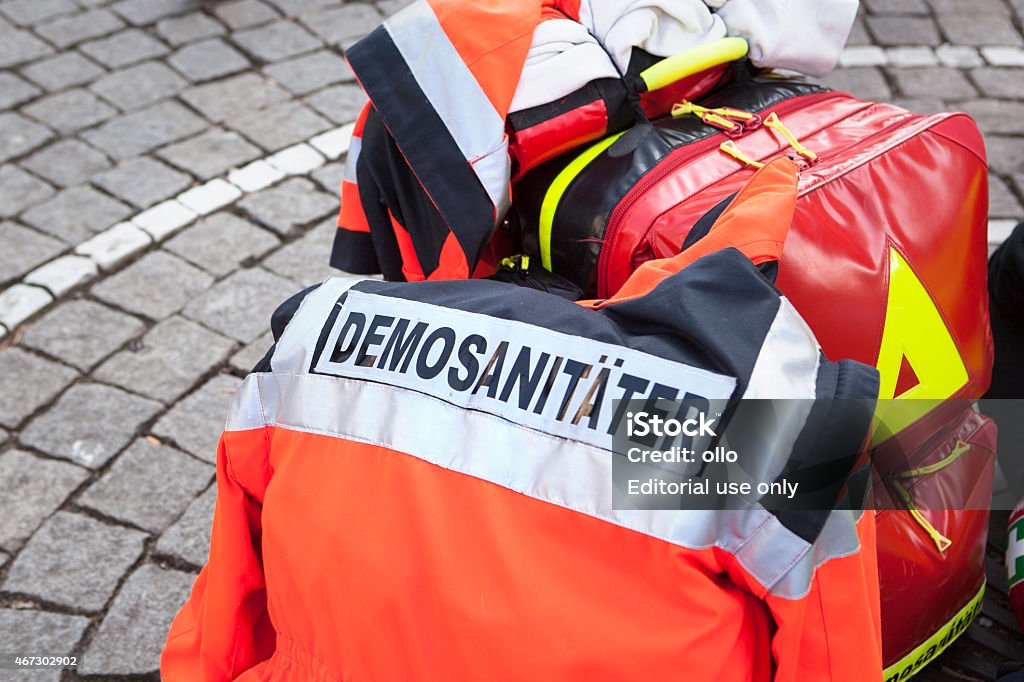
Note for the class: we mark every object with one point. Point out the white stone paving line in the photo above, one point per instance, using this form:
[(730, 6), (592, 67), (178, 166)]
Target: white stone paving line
[(117, 243), (954, 56)]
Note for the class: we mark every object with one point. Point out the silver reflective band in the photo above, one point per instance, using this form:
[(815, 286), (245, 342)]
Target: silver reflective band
[(355, 146), (455, 95), (566, 473)]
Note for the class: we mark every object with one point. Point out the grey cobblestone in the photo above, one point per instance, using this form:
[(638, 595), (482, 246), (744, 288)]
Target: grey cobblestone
[(89, 424), (896, 6), (1000, 82), (208, 59), (280, 125), (980, 6), (285, 207), (15, 90), (211, 153), (132, 634), (302, 261), (245, 13), (1001, 201), (340, 25), (897, 30), (305, 74), (149, 486), (157, 285), (233, 97), (33, 489), (67, 31), (240, 305), (28, 12), (133, 134), (143, 181), (276, 41), (139, 86), (170, 360), (21, 46), (19, 135), (142, 12), (939, 82), (340, 103), (27, 382), (195, 423), (19, 190), (66, 162), (38, 631), (74, 561), (188, 28), (124, 48), (968, 27), (81, 332), (62, 70), (24, 249), (189, 538), (329, 176), (70, 111), (221, 243), (293, 7), (75, 214), (1005, 154), (389, 7), (996, 115), (245, 359)]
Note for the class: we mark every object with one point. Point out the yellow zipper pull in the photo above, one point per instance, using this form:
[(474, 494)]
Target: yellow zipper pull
[(942, 543), (774, 123), (683, 108), (730, 148), (736, 113), (960, 448)]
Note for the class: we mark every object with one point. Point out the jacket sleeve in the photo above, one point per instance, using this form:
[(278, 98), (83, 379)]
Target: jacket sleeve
[(353, 249), (223, 629)]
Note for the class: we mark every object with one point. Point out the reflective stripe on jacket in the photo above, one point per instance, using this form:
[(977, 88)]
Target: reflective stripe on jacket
[(415, 485)]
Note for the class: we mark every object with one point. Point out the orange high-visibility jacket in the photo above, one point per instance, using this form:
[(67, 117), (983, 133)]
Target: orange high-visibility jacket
[(415, 484)]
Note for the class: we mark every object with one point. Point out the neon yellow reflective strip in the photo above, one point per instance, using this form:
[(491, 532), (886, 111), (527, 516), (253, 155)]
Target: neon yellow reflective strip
[(694, 60), (915, 329), (924, 653), (557, 189)]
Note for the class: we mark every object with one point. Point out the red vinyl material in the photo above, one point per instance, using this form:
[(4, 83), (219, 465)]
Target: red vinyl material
[(885, 180)]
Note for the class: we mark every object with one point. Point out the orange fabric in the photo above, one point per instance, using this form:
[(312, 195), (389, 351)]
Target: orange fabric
[(756, 223), (495, 58), (381, 566), (410, 261), (452, 263)]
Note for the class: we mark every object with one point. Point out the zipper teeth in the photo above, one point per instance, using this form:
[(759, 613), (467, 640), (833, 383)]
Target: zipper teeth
[(664, 169)]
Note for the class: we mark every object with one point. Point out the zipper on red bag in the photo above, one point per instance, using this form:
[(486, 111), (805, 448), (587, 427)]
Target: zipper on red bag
[(697, 149)]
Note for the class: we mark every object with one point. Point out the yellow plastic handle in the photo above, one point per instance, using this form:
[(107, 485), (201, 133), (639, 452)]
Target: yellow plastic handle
[(694, 60)]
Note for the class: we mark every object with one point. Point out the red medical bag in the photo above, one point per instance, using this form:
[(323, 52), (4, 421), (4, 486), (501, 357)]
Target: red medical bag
[(886, 261)]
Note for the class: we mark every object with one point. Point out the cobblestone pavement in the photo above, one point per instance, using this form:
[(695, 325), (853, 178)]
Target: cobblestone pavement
[(168, 174)]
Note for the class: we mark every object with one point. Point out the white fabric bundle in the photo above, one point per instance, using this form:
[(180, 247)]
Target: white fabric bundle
[(798, 35)]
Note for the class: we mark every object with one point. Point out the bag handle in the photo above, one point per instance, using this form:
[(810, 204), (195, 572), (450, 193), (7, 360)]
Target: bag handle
[(693, 61)]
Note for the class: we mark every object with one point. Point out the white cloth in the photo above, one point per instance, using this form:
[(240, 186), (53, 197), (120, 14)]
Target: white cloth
[(799, 35)]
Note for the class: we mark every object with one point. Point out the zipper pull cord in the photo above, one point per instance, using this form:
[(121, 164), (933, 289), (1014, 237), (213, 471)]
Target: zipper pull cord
[(960, 448), (730, 148), (777, 125), (941, 541)]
